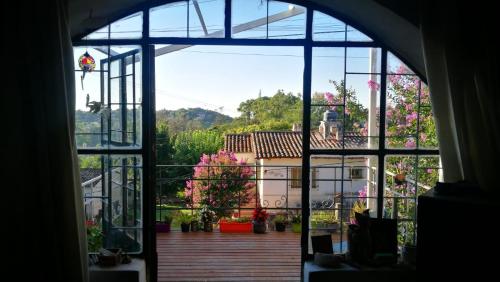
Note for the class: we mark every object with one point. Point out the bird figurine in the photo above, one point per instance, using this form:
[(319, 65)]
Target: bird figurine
[(95, 107)]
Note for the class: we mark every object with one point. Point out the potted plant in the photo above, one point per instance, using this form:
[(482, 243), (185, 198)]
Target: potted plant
[(280, 223), (164, 226), (235, 225), (185, 220), (94, 236), (297, 223), (259, 218), (195, 222), (207, 217), (399, 179)]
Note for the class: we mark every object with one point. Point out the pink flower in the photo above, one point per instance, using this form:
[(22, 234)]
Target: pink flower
[(373, 85), (389, 113), (329, 97), (411, 117), (429, 170), (423, 137), (409, 107), (410, 143), (363, 192)]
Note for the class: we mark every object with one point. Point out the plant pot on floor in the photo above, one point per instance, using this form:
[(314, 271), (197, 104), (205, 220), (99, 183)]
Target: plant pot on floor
[(207, 226), (280, 226), (162, 227), (195, 226), (259, 227), (297, 227), (185, 227)]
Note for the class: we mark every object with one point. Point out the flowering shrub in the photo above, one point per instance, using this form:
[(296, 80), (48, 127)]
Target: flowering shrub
[(207, 215), (220, 182), (259, 214), (94, 236), (409, 112)]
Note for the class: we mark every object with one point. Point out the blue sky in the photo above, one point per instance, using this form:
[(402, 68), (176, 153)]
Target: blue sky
[(220, 77)]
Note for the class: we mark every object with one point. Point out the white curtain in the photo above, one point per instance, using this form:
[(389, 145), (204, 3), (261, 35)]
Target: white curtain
[(462, 65), (43, 201)]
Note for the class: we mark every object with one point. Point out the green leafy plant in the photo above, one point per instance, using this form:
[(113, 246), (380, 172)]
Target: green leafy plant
[(279, 219), (94, 236), (297, 218), (184, 218), (243, 219)]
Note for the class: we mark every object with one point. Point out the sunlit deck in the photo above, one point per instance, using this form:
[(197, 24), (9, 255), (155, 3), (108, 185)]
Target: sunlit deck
[(215, 256)]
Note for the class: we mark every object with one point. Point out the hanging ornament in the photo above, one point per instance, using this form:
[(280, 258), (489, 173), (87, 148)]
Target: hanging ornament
[(86, 64)]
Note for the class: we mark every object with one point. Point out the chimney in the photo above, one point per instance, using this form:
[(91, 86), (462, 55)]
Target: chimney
[(330, 126)]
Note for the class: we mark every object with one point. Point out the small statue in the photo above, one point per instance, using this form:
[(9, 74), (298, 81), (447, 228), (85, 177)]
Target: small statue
[(95, 107)]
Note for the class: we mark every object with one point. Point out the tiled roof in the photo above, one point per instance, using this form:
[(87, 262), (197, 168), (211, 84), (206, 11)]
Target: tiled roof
[(87, 174), (241, 143), (285, 144)]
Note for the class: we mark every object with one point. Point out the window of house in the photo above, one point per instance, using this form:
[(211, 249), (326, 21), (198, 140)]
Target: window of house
[(356, 173), (296, 177)]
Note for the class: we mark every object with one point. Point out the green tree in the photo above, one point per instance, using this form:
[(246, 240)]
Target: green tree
[(356, 115)]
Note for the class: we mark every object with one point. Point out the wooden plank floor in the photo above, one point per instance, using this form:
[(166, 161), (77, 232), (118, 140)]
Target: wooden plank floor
[(215, 256)]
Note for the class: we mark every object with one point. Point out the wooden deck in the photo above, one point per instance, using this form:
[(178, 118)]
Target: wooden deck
[(215, 256)]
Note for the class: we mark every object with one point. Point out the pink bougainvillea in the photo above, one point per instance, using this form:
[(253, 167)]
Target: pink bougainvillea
[(220, 182), (373, 85)]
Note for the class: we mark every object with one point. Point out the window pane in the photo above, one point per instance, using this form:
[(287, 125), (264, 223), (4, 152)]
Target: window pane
[(211, 13), (169, 20), (112, 188), (287, 21), (327, 28), (363, 60), (345, 185), (263, 19), (108, 99), (102, 33), (355, 35), (249, 18), (407, 177), (128, 27)]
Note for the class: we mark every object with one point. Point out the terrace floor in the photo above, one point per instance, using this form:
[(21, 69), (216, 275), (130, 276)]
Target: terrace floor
[(215, 256)]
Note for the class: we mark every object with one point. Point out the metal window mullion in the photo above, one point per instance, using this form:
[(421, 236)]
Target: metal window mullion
[(382, 150), (108, 140), (148, 154), (123, 101), (227, 19), (306, 138), (267, 19), (134, 114), (187, 18)]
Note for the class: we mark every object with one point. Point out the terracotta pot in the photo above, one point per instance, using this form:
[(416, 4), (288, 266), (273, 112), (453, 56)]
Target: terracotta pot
[(399, 179)]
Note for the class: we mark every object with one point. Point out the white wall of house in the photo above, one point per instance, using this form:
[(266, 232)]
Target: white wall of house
[(328, 174)]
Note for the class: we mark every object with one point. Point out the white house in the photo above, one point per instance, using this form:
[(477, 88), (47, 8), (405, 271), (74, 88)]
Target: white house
[(277, 156)]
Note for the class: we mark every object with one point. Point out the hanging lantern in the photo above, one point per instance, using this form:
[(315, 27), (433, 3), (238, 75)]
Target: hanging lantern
[(86, 63)]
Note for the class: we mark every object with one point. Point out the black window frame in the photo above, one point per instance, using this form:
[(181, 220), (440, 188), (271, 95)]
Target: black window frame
[(147, 150)]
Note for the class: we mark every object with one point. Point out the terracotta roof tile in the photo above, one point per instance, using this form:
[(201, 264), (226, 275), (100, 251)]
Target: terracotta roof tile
[(285, 144), (240, 143)]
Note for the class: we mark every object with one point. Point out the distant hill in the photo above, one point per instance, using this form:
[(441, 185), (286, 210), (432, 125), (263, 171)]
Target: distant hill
[(191, 119)]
